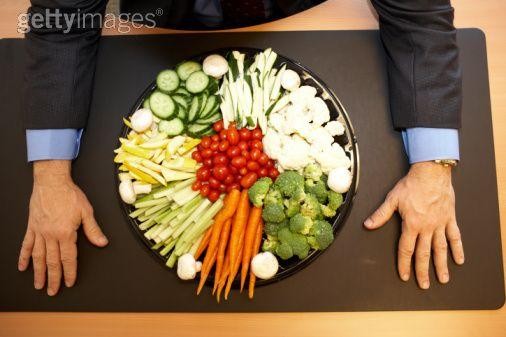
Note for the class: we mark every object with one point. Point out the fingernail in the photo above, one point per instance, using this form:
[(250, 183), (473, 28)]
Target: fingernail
[(68, 284), (405, 277), (38, 285), (51, 292), (425, 285), (460, 260), (103, 240), (368, 223), (445, 278)]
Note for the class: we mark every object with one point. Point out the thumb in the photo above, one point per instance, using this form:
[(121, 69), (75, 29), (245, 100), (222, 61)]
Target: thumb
[(383, 213), (93, 231)]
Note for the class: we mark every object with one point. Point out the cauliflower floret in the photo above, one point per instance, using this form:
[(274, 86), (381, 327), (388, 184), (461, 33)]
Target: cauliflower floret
[(335, 128), (339, 180), (295, 153), (302, 95), (319, 111), (277, 121), (296, 120), (320, 139), (272, 143), (332, 157)]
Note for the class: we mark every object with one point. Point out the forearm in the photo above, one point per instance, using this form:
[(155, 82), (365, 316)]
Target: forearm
[(51, 171)]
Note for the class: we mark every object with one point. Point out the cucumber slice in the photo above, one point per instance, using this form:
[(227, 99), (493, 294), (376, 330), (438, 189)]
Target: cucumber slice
[(167, 81), (182, 91), (208, 132), (185, 69), (180, 100), (145, 104), (197, 82), (209, 120), (162, 105), (203, 97), (182, 113), (211, 104), (173, 127), (196, 129), (194, 108), (213, 86)]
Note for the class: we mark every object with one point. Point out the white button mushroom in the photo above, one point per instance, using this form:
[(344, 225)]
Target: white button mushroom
[(215, 65), (141, 120), (339, 180), (187, 267), (264, 265), (141, 188), (126, 191), (290, 80)]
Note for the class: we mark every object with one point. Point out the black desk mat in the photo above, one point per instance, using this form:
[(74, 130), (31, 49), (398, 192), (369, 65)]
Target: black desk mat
[(357, 273)]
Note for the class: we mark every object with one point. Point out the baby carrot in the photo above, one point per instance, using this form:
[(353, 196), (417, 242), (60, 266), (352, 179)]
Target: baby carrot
[(225, 233), (256, 248), (204, 243), (230, 205), (238, 226), (249, 239), (223, 277), (233, 272)]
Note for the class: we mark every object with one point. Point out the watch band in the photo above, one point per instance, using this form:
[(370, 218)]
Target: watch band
[(446, 162)]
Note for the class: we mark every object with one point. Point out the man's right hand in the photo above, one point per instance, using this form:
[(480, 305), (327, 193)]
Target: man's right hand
[(58, 207)]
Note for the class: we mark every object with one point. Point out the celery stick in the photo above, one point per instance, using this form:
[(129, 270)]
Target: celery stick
[(191, 203), (149, 203), (152, 216), (204, 220), (168, 248), (148, 233), (137, 212), (175, 186), (168, 231), (157, 246), (195, 245), (183, 196), (199, 210), (156, 208), (159, 218), (171, 215), (146, 224), (159, 229), (183, 249), (172, 260)]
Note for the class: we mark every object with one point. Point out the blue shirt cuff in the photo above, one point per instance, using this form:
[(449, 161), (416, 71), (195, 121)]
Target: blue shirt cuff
[(56, 144), (425, 144)]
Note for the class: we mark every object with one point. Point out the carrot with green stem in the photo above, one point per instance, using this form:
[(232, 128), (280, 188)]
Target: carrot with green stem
[(229, 207), (225, 234), (256, 249), (204, 243), (249, 240)]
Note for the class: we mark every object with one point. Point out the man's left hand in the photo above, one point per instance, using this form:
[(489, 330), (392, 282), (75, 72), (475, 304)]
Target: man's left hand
[(425, 200)]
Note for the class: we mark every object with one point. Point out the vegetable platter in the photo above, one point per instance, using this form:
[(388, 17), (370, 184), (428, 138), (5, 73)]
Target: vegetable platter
[(237, 168)]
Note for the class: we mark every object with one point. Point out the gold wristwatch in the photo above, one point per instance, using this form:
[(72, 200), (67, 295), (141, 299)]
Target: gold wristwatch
[(446, 162)]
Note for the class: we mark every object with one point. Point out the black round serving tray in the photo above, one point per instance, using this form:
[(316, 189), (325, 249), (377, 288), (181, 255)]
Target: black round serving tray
[(348, 141)]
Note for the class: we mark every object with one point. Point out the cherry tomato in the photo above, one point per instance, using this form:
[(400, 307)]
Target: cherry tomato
[(199, 147), (232, 135), (197, 156), (256, 144), (243, 145), (203, 174), (263, 172), (245, 134), (206, 153), (204, 190), (238, 162), (214, 146), (273, 173), (233, 170), (223, 146), (223, 134), (213, 195), (205, 142), (269, 164), (220, 172), (196, 185), (255, 154), (229, 180), (256, 134), (233, 151), (218, 126), (245, 154), (214, 183), (253, 166), (233, 186), (215, 138), (243, 171), (220, 159), (208, 162), (222, 188), (249, 179), (238, 178), (263, 159)]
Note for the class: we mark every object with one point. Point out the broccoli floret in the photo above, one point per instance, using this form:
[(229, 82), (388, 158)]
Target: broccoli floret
[(335, 200), (273, 213), (311, 207), (270, 244), (313, 172), (292, 207), (290, 183), (322, 235), (318, 188), (301, 224), (284, 251), (273, 197), (327, 211), (259, 190), (272, 228), (296, 241)]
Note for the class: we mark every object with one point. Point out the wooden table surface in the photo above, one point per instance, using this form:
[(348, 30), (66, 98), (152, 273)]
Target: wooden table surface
[(487, 15)]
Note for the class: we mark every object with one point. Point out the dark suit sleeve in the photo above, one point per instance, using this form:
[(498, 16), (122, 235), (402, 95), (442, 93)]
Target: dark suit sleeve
[(61, 62), (423, 62)]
